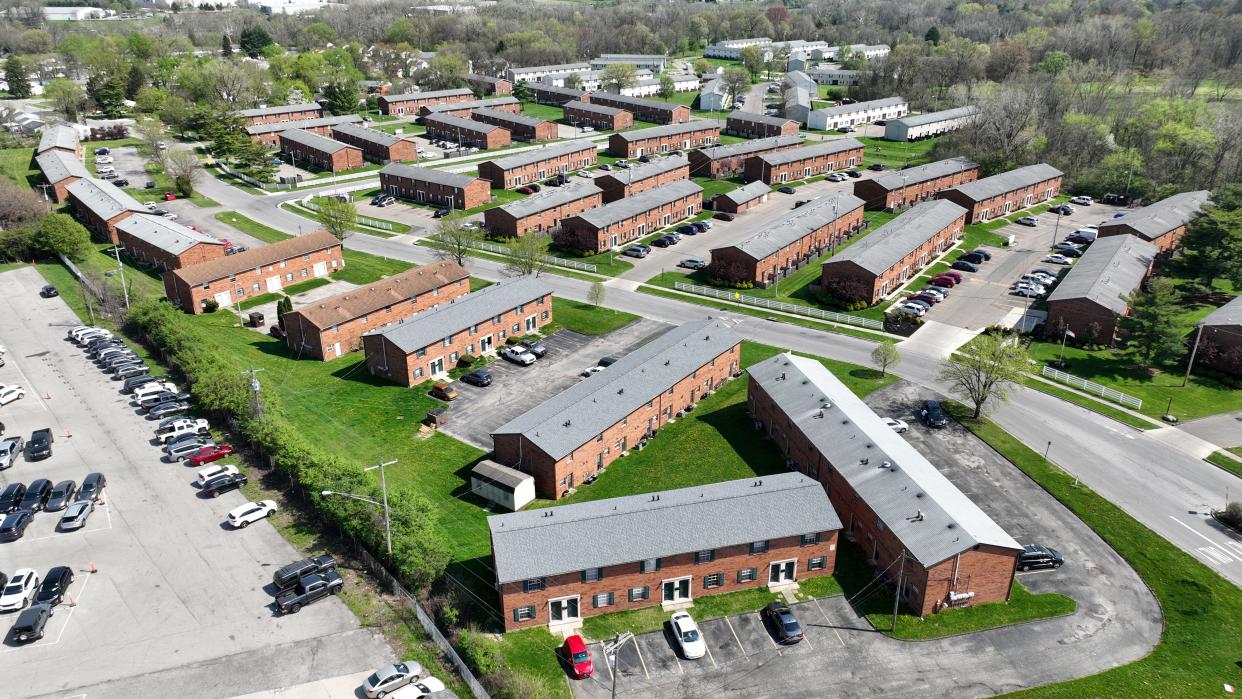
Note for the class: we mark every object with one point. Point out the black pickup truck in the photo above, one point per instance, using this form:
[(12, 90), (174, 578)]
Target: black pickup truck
[(309, 589)]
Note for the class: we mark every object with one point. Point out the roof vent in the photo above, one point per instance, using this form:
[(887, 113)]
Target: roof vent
[(845, 422), (918, 517), (666, 361), (952, 525), (918, 495), (805, 382), (864, 461), (819, 415), (781, 377), (825, 405), (620, 391), (565, 424), (886, 464)]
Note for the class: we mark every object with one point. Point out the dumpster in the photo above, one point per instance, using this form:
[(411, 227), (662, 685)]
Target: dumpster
[(256, 319)]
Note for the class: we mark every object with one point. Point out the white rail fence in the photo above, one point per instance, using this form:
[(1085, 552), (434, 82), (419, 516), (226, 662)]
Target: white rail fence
[(364, 220), (833, 316), (547, 259), (1092, 387)]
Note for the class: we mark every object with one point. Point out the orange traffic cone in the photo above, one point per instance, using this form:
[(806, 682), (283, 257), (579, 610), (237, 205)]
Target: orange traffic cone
[(69, 434), (72, 602), (93, 568)]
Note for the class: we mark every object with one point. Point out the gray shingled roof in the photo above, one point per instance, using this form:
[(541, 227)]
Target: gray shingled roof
[(888, 244), (934, 117), (452, 122), (491, 471), (755, 118), (896, 179), (368, 135), (636, 101), (259, 129), (426, 174), (483, 78), (164, 234), (435, 324), (895, 481), (279, 109), (550, 197), (576, 415), (103, 198), (669, 130), (1155, 220), (557, 67), (796, 224), (793, 155), (628, 207), (654, 168), (433, 94), (532, 544), (57, 165), (1228, 314), (472, 104), (746, 193), (523, 119), (862, 106), (596, 108), (310, 140), (1008, 181), (750, 146), (715, 86), (58, 136), (1112, 268), (631, 56), (534, 155)]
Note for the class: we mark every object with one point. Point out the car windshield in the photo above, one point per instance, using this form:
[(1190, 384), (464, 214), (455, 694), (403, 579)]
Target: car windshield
[(791, 625), (690, 636), (13, 588), (581, 657), (59, 492)]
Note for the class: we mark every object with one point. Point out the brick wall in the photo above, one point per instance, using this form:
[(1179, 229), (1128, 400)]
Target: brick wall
[(621, 119), (500, 86), (287, 116), (466, 110), (273, 138), (656, 114), (1221, 348), (476, 193), (578, 233), (723, 203), (703, 166), (1166, 242), (1088, 320), (104, 229), (543, 131), (60, 191), (399, 151), (878, 197), (1003, 204), (617, 186), (847, 280), (391, 106), (346, 158), (757, 169), (501, 223), (734, 264), (482, 136), (556, 96), (624, 146), (162, 260), (751, 129), (507, 178), (247, 284)]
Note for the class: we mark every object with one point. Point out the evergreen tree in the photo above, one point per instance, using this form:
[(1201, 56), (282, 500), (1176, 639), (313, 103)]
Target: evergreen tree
[(134, 82), (341, 94), (107, 90), (933, 35), (17, 73), (254, 40), (226, 46), (1152, 323)]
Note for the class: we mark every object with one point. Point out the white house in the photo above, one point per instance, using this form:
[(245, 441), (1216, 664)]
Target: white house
[(858, 113), (912, 128), (714, 97)]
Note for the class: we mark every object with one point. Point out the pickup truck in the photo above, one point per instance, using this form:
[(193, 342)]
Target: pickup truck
[(309, 589), (289, 575), (180, 426)]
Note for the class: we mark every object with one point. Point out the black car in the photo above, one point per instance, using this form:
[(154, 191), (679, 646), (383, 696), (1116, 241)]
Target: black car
[(121, 182), (1061, 210), (965, 266), (786, 625), (876, 166), (1036, 556), (36, 495), (478, 377), (987, 256), (118, 366), (785, 190), (662, 242), (92, 487), (31, 623), (136, 381), (308, 589), (688, 230), (55, 584), (441, 213), (14, 525), (289, 575), (63, 494), (1071, 253), (933, 414), (223, 484), (607, 361), (48, 291), (973, 258), (537, 349), (853, 173), (12, 497), (40, 445)]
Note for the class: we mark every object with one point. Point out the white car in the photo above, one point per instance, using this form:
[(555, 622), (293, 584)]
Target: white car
[(518, 355), (688, 637), (836, 177), (170, 216), (585, 174), (103, 159), (20, 590), (591, 371), (911, 309), (1082, 201), (417, 690), (896, 425), (151, 206), (241, 517), (1058, 260), (8, 394), (214, 470), (588, 129)]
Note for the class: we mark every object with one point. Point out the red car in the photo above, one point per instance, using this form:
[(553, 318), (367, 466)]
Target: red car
[(955, 276), (208, 454), (169, 196), (942, 280), (725, 216), (578, 658)]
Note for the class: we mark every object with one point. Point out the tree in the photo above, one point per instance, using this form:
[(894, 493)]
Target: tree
[(447, 70), (1212, 247), (66, 97), (618, 77), (932, 35), (1152, 323), (18, 205), (736, 82), (419, 549), (17, 74), (456, 239), (573, 81), (59, 233), (341, 95), (885, 355), (526, 255), (752, 59), (596, 294), (667, 88), (152, 134), (134, 80), (185, 169), (254, 39), (106, 89), (1054, 63), (702, 66), (283, 306), (988, 369), (337, 216), (226, 46)]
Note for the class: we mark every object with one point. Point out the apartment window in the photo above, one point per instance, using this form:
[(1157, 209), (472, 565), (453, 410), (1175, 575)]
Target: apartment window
[(533, 585), (418, 373), (304, 272), (448, 340), (474, 329), (420, 353), (544, 316), (713, 580), (254, 287), (603, 599), (704, 556), (759, 547), (282, 264), (524, 613), (592, 574), (810, 539), (453, 357), (599, 437), (521, 307), (748, 575), (639, 594), (241, 292), (650, 565), (364, 319), (817, 563), (496, 320), (305, 257)]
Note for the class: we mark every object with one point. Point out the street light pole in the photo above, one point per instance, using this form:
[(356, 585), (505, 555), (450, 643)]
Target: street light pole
[(610, 656), (384, 489)]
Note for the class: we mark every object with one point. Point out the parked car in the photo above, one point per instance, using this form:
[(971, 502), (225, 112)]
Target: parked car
[(918, 302), (10, 393), (478, 377), (836, 177), (786, 625), (724, 216), (942, 281), (20, 589), (1027, 221), (31, 624), (876, 167), (241, 516), (391, 677), (692, 263), (10, 447), (662, 242), (62, 496), (55, 584), (933, 415), (1082, 200), (11, 497), (208, 454), (129, 371), (309, 589), (75, 515), (518, 355), (637, 250), (444, 391), (48, 291), (153, 399), (1062, 210), (134, 383), (575, 654), (214, 471), (288, 575), (172, 428), (955, 276), (36, 495), (92, 487), (896, 425), (1036, 556), (786, 190), (1065, 245), (441, 213), (525, 189), (590, 371), (910, 309), (688, 229), (687, 635), (846, 129), (121, 182), (987, 256), (223, 484), (1029, 292), (162, 410), (1058, 259), (853, 173), (1071, 253), (14, 525), (965, 266), (973, 258)]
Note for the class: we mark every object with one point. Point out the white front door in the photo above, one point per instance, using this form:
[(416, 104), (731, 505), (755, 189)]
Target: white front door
[(223, 299), (273, 283), (782, 572), (564, 609), (321, 268), (336, 348), (677, 590)]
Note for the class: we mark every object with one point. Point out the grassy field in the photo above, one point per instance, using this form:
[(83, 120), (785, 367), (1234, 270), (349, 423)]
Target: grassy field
[(251, 227), (534, 651), (894, 155), (18, 165), (1098, 406), (607, 263), (291, 290), (1227, 461), (587, 319), (547, 112), (712, 187)]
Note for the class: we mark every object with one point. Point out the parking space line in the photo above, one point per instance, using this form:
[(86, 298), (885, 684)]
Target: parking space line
[(68, 618), (829, 621), (677, 660), (642, 662), (735, 638), (604, 654), (708, 648), (56, 534)]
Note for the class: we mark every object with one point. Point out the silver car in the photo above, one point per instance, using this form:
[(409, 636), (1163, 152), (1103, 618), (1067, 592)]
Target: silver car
[(179, 450), (386, 679), (75, 515), (9, 449)]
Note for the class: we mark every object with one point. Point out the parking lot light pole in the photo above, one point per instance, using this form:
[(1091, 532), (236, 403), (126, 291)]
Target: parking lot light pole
[(370, 501), (384, 489)]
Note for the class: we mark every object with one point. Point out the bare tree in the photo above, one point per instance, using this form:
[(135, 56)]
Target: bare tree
[(989, 367), (527, 255), (455, 239), (885, 355), (596, 294), (18, 205), (152, 134), (185, 169)]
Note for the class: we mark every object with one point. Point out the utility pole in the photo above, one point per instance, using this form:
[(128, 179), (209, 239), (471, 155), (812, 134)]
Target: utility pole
[(1193, 351), (121, 268), (256, 406), (610, 656), (384, 488), (897, 595)]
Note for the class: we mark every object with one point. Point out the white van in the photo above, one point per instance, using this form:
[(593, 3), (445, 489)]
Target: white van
[(154, 388), (185, 426), (86, 336)]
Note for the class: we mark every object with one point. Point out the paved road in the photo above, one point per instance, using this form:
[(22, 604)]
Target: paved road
[(179, 600)]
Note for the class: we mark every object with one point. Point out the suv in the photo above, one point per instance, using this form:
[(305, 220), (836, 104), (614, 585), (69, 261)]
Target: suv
[(933, 415), (12, 497), (30, 623), (444, 391), (1036, 556), (289, 575), (308, 589), (36, 496), (222, 484), (54, 587), (40, 445)]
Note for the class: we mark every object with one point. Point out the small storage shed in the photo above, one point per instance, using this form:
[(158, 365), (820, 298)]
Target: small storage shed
[(502, 485)]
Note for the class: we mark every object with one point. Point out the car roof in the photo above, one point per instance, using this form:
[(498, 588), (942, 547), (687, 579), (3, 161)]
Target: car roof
[(79, 505), (92, 477), (575, 643), (56, 572)]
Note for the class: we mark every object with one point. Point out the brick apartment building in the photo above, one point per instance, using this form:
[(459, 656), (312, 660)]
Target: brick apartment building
[(542, 211), (413, 102), (376, 146), (429, 344), (282, 112), (666, 548), (622, 183), (60, 168), (1163, 223), (730, 159), (794, 164), (749, 125), (741, 199), (891, 500), (1090, 301), (898, 189), (643, 109), (785, 244), (503, 103), (875, 266), (488, 85), (626, 220), (520, 126), (597, 116), (330, 327), (100, 205), (269, 134), (664, 139), (1000, 195), (305, 148), (234, 278), (157, 242), (427, 185), (537, 163), (1220, 346), (59, 137), (557, 96), (580, 431), (466, 132)]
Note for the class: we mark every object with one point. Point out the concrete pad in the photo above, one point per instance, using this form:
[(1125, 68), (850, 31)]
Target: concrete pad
[(1224, 429), (753, 634), (629, 664), (936, 339), (625, 284), (343, 687), (723, 645)]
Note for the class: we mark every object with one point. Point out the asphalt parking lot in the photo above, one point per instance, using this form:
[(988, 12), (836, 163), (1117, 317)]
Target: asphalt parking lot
[(516, 389), (179, 599), (1117, 620)]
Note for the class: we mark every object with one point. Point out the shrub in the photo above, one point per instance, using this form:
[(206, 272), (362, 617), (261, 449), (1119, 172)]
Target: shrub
[(480, 652), (210, 306), (508, 684), (467, 360), (1231, 515), (730, 284)]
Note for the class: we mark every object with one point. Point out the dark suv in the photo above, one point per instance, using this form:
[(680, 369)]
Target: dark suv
[(40, 445), (289, 575), (55, 585), (933, 414), (36, 496), (30, 624), (1036, 556), (12, 497)]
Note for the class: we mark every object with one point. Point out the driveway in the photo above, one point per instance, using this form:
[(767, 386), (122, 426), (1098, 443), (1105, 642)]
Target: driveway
[(1223, 430), (1117, 620), (179, 599)]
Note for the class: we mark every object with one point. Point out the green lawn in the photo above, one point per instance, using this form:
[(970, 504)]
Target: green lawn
[(606, 263), (534, 652), (251, 227), (1227, 461), (291, 290), (364, 268), (1098, 406), (712, 187), (896, 155), (586, 319), (546, 112), (607, 626), (18, 165)]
